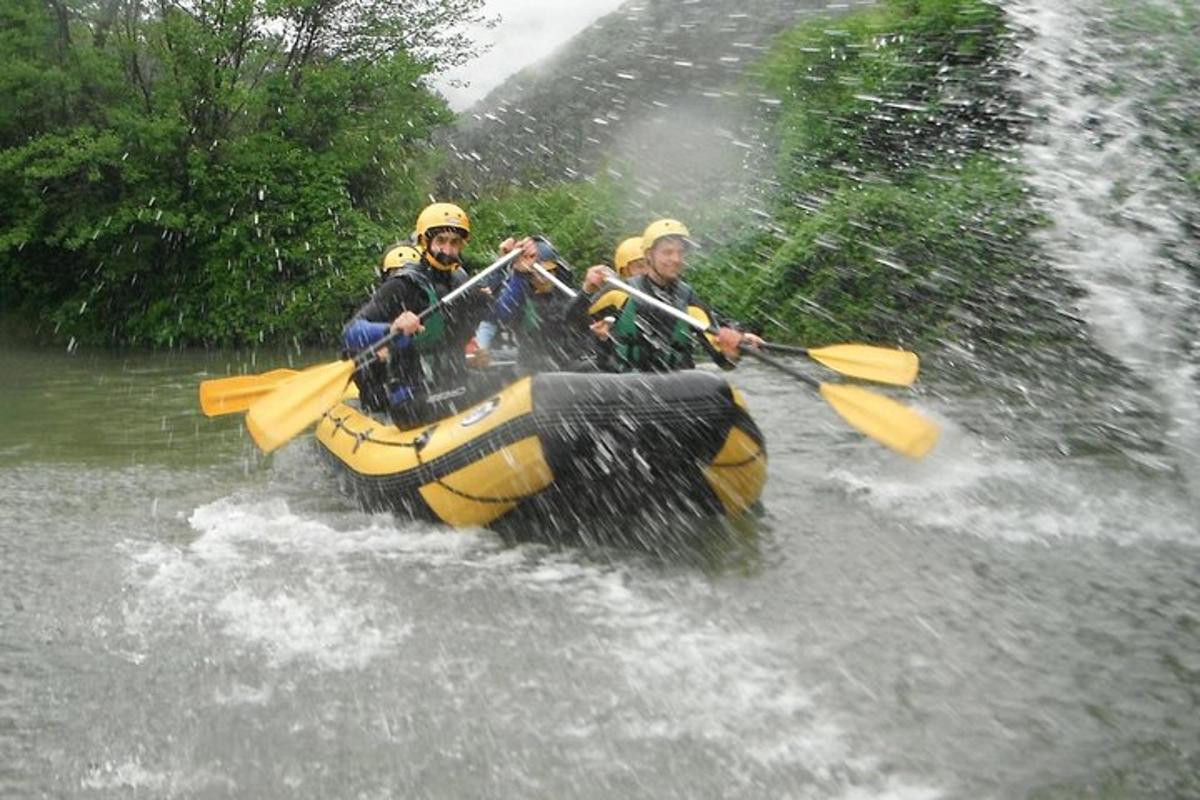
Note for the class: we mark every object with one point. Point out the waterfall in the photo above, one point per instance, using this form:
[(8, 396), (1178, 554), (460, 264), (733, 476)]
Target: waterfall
[(1101, 172)]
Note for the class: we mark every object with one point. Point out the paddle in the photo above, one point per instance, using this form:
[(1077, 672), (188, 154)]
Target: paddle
[(231, 395), (548, 275), (285, 412), (888, 422), (864, 361)]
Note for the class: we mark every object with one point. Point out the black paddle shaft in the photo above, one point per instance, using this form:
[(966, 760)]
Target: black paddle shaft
[(779, 365)]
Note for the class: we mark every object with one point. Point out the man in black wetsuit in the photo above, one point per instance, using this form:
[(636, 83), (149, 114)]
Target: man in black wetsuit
[(424, 376)]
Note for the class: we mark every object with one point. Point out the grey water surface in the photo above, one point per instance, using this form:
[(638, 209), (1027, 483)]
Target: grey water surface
[(181, 618)]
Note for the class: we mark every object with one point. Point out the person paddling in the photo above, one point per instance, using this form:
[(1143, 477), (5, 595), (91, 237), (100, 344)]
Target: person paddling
[(425, 376), (647, 340), (550, 326)]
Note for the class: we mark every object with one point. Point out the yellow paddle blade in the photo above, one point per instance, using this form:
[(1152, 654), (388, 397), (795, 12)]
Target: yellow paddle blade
[(883, 419), (700, 315), (236, 393), (275, 420), (879, 364)]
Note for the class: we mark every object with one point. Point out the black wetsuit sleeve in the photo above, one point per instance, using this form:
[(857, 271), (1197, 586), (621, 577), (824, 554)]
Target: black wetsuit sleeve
[(576, 314), (395, 296), (386, 303), (465, 312), (475, 264)]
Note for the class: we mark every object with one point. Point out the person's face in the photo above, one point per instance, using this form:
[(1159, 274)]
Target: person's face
[(449, 243), (665, 260)]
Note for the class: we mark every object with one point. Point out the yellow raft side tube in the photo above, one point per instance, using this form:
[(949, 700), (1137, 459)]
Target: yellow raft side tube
[(483, 489), (473, 468)]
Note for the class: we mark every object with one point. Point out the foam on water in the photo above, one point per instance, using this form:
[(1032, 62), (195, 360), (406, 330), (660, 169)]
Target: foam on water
[(124, 775), (279, 582), (288, 591), (242, 695), (315, 624), (976, 487), (120, 777), (697, 676)]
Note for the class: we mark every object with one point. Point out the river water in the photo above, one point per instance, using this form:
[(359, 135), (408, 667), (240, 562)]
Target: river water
[(181, 618), (1016, 616)]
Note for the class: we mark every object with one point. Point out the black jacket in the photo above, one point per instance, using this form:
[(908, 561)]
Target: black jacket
[(430, 361)]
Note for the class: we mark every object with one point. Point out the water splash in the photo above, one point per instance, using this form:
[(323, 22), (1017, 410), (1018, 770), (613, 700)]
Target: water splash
[(1108, 189)]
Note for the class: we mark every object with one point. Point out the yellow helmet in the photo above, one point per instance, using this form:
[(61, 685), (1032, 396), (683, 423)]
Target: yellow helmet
[(627, 251), (398, 256), (442, 215), (661, 229)]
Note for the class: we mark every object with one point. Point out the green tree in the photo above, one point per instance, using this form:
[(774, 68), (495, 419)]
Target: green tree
[(212, 171), (898, 214)]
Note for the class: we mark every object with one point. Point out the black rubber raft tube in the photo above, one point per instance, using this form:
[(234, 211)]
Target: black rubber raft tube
[(581, 445)]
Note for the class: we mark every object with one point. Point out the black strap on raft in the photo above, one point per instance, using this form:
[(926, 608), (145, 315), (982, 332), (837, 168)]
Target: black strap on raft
[(464, 495), (339, 424)]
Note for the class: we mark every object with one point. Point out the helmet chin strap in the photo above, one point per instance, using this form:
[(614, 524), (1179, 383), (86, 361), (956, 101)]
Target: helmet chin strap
[(442, 261)]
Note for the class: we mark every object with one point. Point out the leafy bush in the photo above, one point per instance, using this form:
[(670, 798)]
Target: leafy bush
[(898, 210), (226, 174), (584, 220)]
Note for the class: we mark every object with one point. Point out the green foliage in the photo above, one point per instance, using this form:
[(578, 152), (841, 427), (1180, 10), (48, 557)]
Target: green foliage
[(898, 210), (882, 261), (888, 90), (195, 182), (896, 214), (585, 220), (206, 177)]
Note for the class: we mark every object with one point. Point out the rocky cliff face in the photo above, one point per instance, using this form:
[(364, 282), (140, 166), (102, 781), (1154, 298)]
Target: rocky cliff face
[(655, 86)]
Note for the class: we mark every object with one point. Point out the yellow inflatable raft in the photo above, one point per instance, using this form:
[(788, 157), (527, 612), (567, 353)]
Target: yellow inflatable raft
[(559, 443)]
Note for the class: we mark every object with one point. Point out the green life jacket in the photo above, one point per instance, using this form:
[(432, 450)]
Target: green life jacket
[(628, 340), (438, 362), (435, 324), (530, 317)]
